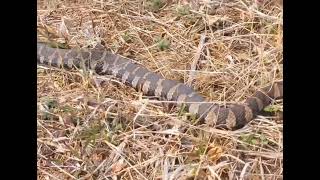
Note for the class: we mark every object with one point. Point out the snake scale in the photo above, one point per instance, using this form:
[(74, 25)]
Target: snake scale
[(231, 117)]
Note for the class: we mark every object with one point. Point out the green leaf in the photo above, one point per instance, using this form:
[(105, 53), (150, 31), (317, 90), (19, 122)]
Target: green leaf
[(272, 108), (183, 10), (51, 103), (163, 44), (156, 5), (127, 37)]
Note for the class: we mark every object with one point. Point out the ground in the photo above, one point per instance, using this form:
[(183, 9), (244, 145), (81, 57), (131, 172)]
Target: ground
[(92, 127)]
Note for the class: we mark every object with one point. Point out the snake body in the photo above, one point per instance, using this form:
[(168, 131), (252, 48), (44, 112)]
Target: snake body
[(232, 117)]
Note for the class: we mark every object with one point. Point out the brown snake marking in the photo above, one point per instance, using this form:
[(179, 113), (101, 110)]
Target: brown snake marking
[(231, 117)]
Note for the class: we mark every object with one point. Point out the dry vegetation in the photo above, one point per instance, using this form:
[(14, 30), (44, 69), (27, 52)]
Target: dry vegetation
[(92, 127)]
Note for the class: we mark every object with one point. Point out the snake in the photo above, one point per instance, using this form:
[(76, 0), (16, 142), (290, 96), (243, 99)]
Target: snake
[(231, 116)]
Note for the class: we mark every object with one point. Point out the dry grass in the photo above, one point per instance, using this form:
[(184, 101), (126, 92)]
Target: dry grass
[(92, 127)]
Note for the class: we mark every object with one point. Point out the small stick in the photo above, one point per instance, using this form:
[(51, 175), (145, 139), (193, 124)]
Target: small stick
[(196, 60)]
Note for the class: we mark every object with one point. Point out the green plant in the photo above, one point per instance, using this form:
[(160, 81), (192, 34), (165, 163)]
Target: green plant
[(51, 104), (183, 10), (163, 44), (254, 139), (127, 37), (156, 5), (273, 108)]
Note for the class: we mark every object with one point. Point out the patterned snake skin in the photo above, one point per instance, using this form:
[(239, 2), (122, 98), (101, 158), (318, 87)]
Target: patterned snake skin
[(229, 117)]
